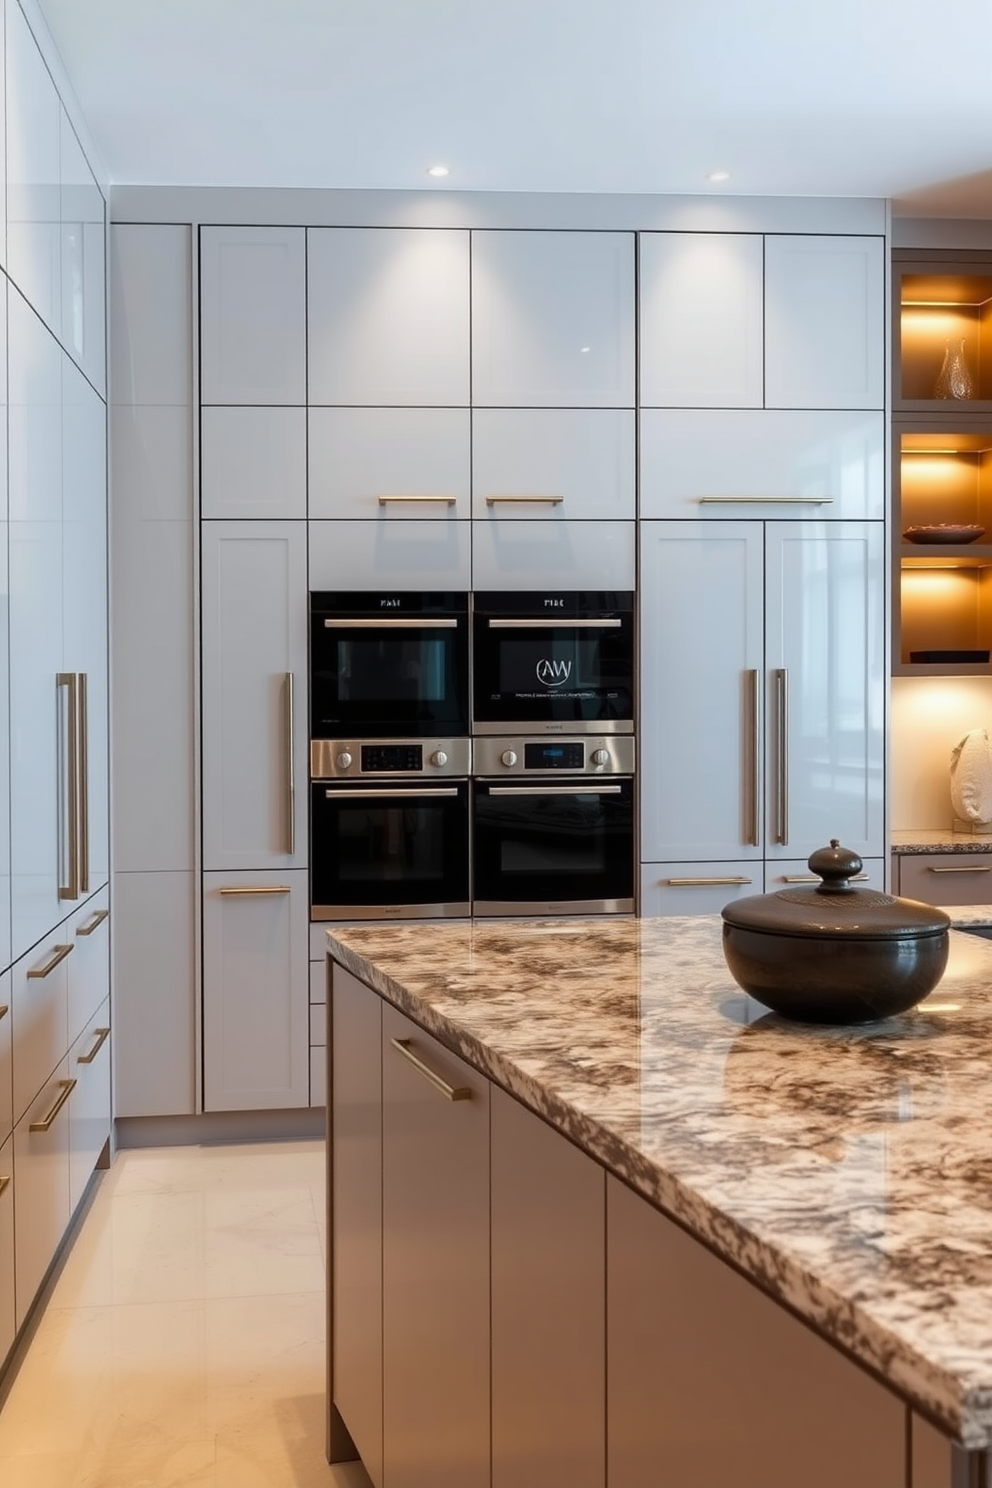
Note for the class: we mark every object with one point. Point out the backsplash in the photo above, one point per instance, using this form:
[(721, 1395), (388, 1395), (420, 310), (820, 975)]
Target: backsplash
[(928, 717)]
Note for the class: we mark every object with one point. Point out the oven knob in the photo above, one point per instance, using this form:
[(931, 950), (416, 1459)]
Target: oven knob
[(601, 756), (344, 760), (509, 757), (439, 758)]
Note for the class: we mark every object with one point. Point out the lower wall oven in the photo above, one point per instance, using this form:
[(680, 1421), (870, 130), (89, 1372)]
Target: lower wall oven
[(553, 826)]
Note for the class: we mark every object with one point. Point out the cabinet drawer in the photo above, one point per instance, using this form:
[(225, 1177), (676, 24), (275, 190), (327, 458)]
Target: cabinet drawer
[(507, 554), (784, 875), (697, 888), (8, 1325), (41, 1165), (553, 463), (390, 554), (88, 967), (758, 463), (946, 878), (389, 462), (39, 1010), (6, 1065), (89, 1106)]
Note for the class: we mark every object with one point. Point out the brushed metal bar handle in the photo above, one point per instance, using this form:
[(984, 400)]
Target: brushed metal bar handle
[(291, 763), (782, 721), (815, 878), (546, 623), (70, 890), (93, 922), (753, 836), (408, 622), (765, 500), (59, 953), (4, 1184), (524, 500), (555, 790), (384, 792), (731, 880), (102, 1034), (45, 1124), (434, 500), (260, 889), (83, 788), (4, 1009), (976, 869), (450, 1092)]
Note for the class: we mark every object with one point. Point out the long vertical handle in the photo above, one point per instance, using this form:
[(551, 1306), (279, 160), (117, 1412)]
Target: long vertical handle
[(291, 762), (753, 765), (70, 890), (782, 722), (83, 770)]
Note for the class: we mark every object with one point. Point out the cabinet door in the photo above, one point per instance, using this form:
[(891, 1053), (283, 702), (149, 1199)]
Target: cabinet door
[(683, 1328), (701, 657), (701, 320), (6, 1061), (33, 144), (824, 322), (253, 462), (253, 315), (553, 319), (41, 1165), (552, 463), (825, 687), (254, 639), (548, 1305), (355, 1185), (391, 553), (8, 1311), (395, 462), (89, 1104), (762, 463), (507, 554), (255, 991), (388, 319), (435, 1266)]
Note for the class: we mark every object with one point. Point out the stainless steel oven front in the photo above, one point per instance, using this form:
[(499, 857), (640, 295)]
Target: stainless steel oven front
[(553, 825)]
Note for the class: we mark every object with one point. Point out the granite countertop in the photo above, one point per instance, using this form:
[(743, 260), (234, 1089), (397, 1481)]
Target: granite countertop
[(847, 1171), (928, 840)]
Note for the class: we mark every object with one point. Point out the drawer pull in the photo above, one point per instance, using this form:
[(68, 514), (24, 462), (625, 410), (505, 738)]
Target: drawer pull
[(766, 500), (4, 1009), (815, 878), (94, 920), (435, 500), (58, 954), (524, 500), (68, 1086), (702, 883), (102, 1034), (450, 1092), (4, 1183), (259, 889), (976, 869)]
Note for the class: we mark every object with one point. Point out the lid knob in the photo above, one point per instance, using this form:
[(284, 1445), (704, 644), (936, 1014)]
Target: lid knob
[(835, 865)]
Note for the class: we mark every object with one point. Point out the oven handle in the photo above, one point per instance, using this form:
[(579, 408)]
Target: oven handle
[(555, 790), (408, 622), (377, 793), (543, 623)]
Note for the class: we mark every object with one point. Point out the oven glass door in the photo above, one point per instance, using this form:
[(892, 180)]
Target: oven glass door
[(382, 851), (377, 674), (552, 843), (556, 667)]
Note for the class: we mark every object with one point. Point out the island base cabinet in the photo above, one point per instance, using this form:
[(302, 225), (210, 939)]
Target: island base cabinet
[(548, 1305), (435, 1263), (937, 1462), (89, 1108), (41, 1169), (710, 1382)]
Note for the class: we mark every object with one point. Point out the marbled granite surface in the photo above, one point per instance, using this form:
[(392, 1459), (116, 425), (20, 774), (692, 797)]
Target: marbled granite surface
[(931, 840), (848, 1171), (969, 916)]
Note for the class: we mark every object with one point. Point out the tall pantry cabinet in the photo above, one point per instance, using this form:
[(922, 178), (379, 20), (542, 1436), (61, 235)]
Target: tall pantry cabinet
[(55, 1099)]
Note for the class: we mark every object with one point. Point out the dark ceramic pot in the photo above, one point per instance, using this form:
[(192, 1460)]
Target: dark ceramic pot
[(834, 953)]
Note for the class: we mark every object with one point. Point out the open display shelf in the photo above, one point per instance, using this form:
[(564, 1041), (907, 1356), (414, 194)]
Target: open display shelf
[(944, 309)]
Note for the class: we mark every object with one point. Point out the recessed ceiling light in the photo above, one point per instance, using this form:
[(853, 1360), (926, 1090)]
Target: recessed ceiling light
[(718, 175), (438, 170)]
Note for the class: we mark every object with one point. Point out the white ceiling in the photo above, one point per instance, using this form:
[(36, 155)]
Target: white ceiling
[(800, 97)]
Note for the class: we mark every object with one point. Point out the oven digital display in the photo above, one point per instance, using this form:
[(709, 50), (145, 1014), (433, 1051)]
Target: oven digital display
[(388, 758), (554, 756)]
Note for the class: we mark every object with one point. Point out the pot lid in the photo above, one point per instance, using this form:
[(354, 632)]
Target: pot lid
[(834, 907)]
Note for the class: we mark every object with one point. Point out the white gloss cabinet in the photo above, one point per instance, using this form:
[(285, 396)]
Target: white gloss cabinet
[(8, 1310), (83, 260), (388, 316), (254, 681), (33, 172), (6, 1060), (553, 463), (401, 553), (402, 463), (89, 1103), (41, 1169), (552, 319), (545, 554), (253, 462), (701, 320), (255, 991), (253, 315)]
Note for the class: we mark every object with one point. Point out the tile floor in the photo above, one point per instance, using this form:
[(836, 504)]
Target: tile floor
[(183, 1342)]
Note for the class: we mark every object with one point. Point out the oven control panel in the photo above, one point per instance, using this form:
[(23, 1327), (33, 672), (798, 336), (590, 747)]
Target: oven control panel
[(388, 759), (612, 754)]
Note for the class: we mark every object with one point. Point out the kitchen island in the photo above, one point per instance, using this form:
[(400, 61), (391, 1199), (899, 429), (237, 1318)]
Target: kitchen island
[(840, 1179)]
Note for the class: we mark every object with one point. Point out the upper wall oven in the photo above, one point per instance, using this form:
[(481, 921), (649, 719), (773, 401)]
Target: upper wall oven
[(387, 665), (553, 663)]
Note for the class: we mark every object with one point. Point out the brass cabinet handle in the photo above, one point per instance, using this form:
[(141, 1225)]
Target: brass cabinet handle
[(95, 920), (291, 762), (525, 500), (765, 500), (450, 1092), (702, 883), (83, 788), (434, 500), (4, 1183), (4, 1009), (68, 1086), (976, 869), (102, 1034), (69, 681), (257, 889), (782, 720), (753, 774), (59, 953), (815, 878), (420, 622)]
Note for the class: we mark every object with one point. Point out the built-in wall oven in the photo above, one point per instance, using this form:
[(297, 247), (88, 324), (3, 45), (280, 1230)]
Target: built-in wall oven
[(553, 825)]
